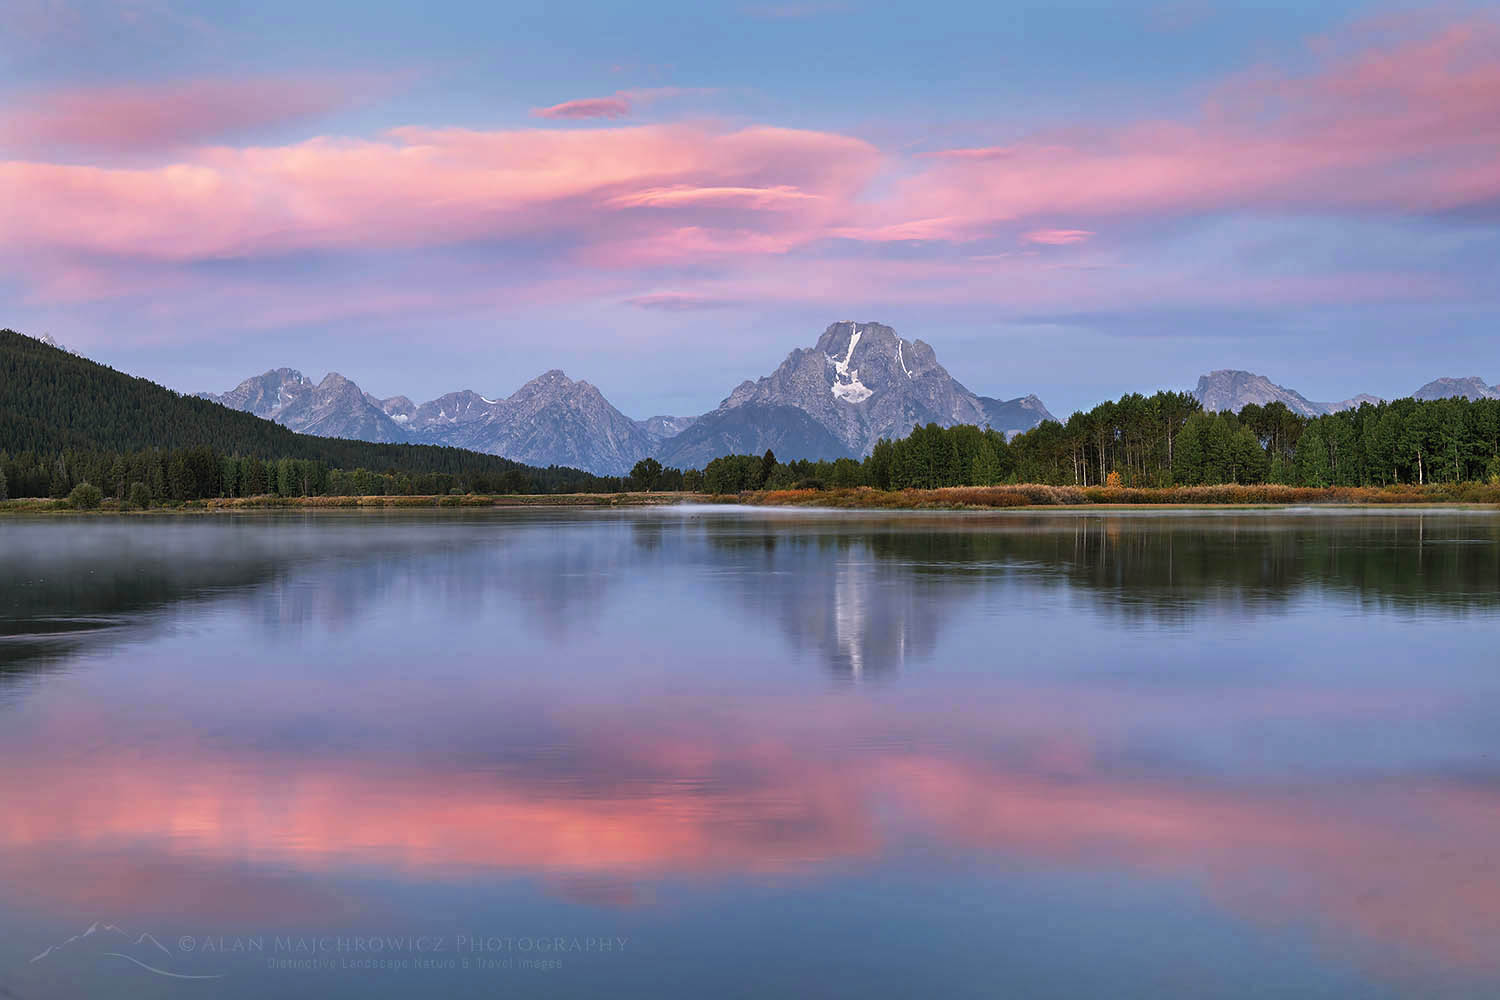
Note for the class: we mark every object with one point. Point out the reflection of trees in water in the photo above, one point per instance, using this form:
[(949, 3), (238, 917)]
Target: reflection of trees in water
[(1167, 568), (873, 592), (866, 594), (70, 583)]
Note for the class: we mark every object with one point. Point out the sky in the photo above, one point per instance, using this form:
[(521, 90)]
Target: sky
[(663, 198)]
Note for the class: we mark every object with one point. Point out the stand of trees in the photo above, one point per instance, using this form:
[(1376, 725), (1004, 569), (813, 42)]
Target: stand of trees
[(158, 475), (1166, 440)]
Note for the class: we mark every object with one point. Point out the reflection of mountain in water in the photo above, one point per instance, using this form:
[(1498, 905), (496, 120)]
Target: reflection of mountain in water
[(867, 594), (832, 593)]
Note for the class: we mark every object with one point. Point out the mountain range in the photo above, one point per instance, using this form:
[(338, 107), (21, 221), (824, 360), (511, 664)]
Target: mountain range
[(1233, 390), (52, 400), (860, 382)]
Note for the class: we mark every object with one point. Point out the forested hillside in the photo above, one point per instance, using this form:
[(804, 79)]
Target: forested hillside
[(65, 419)]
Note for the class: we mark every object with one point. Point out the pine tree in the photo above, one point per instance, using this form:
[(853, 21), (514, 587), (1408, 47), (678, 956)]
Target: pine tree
[(1187, 466), (1313, 467), (878, 465)]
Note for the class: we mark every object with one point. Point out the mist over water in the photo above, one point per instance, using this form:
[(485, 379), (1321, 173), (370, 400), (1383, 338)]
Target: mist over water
[(713, 751)]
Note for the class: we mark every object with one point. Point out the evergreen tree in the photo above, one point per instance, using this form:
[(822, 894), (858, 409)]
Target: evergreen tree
[(119, 475), (1247, 457), (1188, 467), (878, 465), (1313, 466), (767, 465)]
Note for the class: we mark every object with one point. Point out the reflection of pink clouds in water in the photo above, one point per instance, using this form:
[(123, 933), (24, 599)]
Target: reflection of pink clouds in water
[(1404, 863), (1329, 853)]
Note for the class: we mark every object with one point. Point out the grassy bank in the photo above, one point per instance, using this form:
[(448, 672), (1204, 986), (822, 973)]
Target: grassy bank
[(231, 504), (1029, 495), (861, 498)]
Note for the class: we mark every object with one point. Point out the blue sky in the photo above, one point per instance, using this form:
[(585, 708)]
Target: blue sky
[(666, 198)]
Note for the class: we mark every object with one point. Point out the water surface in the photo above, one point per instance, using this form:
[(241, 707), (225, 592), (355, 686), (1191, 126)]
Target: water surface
[(715, 752)]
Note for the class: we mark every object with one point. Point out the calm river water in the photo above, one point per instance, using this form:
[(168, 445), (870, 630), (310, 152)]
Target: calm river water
[(709, 752)]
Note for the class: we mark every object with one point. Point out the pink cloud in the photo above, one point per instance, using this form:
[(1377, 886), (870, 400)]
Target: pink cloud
[(588, 107), (677, 302), (1057, 237), (648, 185), (758, 213), (1406, 126), (620, 104), (162, 116)]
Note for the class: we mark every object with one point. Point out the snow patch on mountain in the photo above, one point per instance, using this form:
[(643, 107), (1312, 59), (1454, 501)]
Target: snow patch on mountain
[(852, 391)]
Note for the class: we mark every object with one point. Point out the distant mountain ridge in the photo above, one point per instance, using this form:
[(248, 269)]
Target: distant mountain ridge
[(335, 407), (1233, 390), (860, 382), (1447, 388), (551, 420), (659, 428)]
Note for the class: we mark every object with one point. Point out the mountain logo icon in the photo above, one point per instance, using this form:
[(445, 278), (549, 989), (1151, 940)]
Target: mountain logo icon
[(111, 941)]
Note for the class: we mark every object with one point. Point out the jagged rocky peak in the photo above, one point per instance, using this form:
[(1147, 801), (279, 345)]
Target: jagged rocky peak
[(1014, 416), (267, 394), (336, 387), (549, 383), (860, 381), (462, 406), (1232, 390), (870, 356), (398, 408), (335, 407), (1472, 387), (555, 378)]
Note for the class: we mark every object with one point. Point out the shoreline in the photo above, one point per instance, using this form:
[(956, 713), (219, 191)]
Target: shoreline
[(1020, 497), (469, 501), (1469, 496)]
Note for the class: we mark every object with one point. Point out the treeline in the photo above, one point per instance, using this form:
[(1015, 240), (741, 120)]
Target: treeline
[(1168, 440), (1165, 440), (154, 476)]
